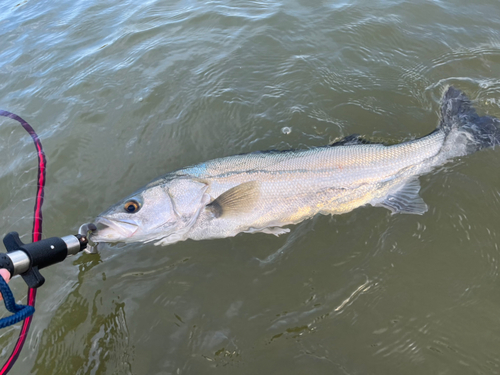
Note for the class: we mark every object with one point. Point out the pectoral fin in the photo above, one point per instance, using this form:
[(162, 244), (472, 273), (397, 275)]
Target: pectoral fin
[(237, 200), (405, 200)]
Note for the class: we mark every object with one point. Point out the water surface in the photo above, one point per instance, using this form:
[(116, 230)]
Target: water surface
[(122, 92)]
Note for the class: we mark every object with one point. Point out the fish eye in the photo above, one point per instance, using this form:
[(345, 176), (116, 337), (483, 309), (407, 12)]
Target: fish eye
[(132, 206)]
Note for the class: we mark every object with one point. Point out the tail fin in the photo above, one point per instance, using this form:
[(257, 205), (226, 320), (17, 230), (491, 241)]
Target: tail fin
[(457, 113)]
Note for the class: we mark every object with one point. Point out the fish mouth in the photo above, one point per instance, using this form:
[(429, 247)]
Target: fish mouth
[(113, 230)]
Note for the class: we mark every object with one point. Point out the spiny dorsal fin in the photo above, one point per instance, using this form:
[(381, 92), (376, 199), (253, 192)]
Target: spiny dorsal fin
[(236, 200), (356, 139), (406, 200), (353, 139)]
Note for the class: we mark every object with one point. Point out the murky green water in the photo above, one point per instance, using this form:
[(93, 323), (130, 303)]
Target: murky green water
[(122, 92)]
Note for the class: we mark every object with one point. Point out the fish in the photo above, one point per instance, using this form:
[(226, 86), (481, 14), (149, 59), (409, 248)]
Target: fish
[(267, 191)]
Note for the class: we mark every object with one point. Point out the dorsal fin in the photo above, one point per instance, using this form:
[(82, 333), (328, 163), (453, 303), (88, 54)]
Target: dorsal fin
[(357, 139), (236, 200), (350, 140)]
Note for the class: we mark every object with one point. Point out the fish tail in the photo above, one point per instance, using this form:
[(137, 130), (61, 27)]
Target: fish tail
[(458, 116)]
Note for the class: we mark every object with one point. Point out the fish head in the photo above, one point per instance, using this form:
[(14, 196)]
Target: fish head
[(156, 212)]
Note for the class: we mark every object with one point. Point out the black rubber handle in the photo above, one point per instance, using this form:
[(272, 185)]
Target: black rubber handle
[(41, 254)]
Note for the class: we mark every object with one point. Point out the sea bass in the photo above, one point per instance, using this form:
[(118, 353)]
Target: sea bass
[(265, 191)]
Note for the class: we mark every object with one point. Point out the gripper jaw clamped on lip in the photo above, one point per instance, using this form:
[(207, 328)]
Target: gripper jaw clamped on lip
[(86, 230)]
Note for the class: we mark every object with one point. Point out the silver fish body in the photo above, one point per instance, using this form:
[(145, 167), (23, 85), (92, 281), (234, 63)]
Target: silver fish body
[(265, 191)]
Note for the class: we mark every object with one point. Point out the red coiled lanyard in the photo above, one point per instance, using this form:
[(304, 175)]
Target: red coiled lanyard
[(36, 234)]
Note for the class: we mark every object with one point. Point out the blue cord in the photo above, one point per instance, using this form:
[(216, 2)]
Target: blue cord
[(20, 312)]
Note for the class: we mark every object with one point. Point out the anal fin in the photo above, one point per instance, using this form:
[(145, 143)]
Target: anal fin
[(405, 200)]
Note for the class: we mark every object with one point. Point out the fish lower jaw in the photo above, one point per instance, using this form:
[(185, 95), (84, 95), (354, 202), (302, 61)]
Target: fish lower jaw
[(99, 238), (114, 231)]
